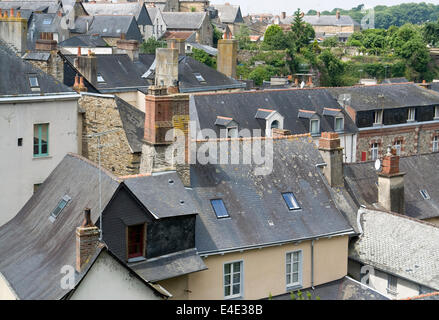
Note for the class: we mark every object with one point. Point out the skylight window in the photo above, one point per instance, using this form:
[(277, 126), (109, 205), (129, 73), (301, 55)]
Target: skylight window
[(425, 194), (33, 80), (47, 21), (100, 78), (199, 77), (291, 201), (219, 208), (59, 208), (105, 30)]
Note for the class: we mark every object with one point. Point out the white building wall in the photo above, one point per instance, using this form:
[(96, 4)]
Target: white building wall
[(404, 289), (109, 280), (19, 170), (84, 51), (349, 144)]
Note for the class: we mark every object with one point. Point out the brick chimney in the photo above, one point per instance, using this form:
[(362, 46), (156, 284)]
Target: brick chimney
[(391, 183), (130, 47), (337, 14), (332, 154), (87, 65), (166, 70), (87, 241), (227, 54), (165, 112), (13, 30)]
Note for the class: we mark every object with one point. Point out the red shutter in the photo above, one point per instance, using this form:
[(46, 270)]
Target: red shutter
[(363, 156)]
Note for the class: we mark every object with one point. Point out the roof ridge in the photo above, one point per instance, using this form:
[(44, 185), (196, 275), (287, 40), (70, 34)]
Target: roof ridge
[(287, 137), (402, 216), (88, 161)]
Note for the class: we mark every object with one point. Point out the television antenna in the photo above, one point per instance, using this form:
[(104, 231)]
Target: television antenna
[(98, 135)]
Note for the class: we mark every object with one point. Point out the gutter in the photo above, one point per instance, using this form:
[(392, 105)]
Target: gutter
[(411, 124), (213, 88), (276, 243), (48, 97), (122, 89)]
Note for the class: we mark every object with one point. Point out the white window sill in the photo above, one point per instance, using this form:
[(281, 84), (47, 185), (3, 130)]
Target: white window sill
[(293, 287), (42, 157), (234, 298), (136, 259)]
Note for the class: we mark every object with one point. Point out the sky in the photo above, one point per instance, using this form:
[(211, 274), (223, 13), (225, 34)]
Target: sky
[(289, 6)]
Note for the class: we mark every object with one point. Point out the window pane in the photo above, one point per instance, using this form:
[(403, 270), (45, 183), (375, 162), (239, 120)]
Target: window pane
[(290, 200), (236, 278), (295, 267), (227, 279), (219, 208), (227, 268), (288, 278), (339, 124), (288, 268), (314, 126), (237, 267), (236, 289), (227, 291), (295, 277)]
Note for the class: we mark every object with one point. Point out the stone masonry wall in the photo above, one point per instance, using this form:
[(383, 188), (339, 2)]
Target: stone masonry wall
[(101, 114)]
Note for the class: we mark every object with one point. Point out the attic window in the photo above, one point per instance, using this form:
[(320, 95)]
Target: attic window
[(291, 201), (33, 81), (61, 205), (47, 21), (219, 208), (199, 78), (118, 30), (105, 30), (100, 78), (425, 194)]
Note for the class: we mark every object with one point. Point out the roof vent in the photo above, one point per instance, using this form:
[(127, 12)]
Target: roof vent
[(170, 181)]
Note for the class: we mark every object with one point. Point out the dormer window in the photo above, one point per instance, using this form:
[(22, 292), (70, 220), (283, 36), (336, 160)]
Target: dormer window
[(229, 127), (270, 119), (100, 78), (315, 126), (336, 116), (339, 124), (411, 114), (135, 242), (378, 117), (314, 120)]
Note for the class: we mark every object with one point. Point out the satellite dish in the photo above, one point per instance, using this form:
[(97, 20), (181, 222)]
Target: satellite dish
[(377, 164)]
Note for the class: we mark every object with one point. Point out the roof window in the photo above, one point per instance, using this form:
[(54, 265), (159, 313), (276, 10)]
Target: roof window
[(291, 201), (47, 21), (425, 194), (219, 208), (100, 78), (199, 78), (59, 208)]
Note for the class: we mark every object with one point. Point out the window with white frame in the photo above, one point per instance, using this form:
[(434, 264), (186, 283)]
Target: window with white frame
[(436, 112), (411, 114), (435, 143), (392, 284), (233, 280), (378, 117), (339, 124), (294, 268), (314, 126), (374, 151), (398, 145)]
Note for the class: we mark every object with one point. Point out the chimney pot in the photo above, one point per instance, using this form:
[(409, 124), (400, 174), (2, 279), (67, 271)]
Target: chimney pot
[(79, 51), (87, 241), (12, 12)]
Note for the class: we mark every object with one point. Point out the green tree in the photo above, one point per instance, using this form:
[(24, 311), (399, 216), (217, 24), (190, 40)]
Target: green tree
[(203, 57), (274, 38), (217, 35), (330, 42), (302, 32), (150, 45), (261, 73), (243, 37), (332, 69)]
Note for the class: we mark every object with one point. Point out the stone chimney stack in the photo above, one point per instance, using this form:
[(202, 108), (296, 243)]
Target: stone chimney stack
[(88, 66), (165, 112), (338, 14), (179, 44), (227, 54), (87, 241), (391, 183), (332, 154), (13, 30), (166, 69), (130, 47), (54, 65)]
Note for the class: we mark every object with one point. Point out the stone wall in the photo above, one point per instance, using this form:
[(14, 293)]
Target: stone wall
[(54, 66), (198, 6), (101, 114)]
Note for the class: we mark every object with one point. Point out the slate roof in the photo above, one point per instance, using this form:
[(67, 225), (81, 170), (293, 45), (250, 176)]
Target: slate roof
[(229, 13), (242, 107), (184, 20), (81, 24), (33, 249), (421, 173), (166, 199), (397, 95), (122, 8), (434, 86), (114, 25), (84, 41), (14, 76), (32, 6), (395, 80), (345, 288), (37, 25), (133, 121), (255, 201), (119, 71), (169, 266), (208, 49), (324, 20), (399, 245)]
